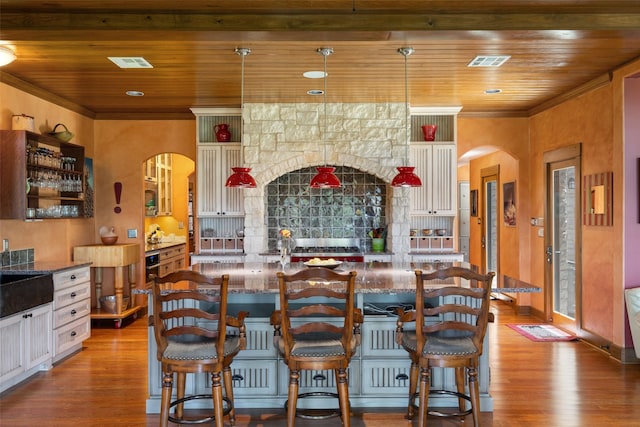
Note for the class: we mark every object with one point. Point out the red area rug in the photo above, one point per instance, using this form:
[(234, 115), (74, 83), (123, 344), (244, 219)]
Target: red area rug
[(542, 332)]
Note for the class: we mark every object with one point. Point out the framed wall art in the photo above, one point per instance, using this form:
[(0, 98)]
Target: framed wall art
[(474, 202), (509, 198), (597, 199)]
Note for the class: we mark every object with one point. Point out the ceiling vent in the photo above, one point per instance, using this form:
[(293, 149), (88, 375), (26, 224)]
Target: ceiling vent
[(488, 61), (130, 62)]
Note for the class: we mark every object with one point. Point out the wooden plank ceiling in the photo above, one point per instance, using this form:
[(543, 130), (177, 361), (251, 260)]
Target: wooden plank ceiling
[(556, 47)]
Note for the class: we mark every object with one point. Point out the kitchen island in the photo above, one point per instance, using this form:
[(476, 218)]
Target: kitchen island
[(378, 373)]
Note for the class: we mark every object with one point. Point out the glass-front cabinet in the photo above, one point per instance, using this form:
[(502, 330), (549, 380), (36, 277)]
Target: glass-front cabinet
[(41, 177)]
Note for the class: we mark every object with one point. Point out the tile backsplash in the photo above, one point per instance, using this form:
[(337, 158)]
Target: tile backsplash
[(350, 211), (17, 257)]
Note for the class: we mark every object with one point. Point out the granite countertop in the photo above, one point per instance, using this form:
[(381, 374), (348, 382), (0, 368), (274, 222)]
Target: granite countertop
[(44, 267), (148, 247), (374, 277)]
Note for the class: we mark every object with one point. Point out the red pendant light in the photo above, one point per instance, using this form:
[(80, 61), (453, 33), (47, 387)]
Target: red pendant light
[(406, 177), (241, 178), (325, 178)]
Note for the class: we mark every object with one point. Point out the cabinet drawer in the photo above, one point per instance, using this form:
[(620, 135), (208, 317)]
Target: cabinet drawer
[(66, 278), (250, 378), (164, 269), (66, 296), (72, 312), (171, 252), (71, 334), (320, 380), (386, 377)]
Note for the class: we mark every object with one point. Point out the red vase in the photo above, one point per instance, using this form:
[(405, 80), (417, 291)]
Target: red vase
[(222, 132), (429, 132)]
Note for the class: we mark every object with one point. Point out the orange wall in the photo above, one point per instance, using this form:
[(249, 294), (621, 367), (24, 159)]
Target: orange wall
[(66, 233)]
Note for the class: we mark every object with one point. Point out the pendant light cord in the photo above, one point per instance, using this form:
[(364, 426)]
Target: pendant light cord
[(324, 97), (242, 52), (406, 111)]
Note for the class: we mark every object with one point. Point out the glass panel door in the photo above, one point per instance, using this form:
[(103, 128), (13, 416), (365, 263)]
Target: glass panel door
[(490, 212)]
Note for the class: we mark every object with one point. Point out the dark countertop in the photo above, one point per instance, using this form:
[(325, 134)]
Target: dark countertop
[(374, 277), (148, 247), (44, 267)]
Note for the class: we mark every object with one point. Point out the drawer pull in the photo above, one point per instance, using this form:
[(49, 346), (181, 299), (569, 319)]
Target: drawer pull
[(402, 377), (73, 295), (73, 333), (73, 312), (73, 277), (237, 377), (26, 316), (319, 377)]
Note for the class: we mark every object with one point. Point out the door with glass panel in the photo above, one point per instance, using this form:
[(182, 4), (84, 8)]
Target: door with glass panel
[(489, 212), (562, 243)]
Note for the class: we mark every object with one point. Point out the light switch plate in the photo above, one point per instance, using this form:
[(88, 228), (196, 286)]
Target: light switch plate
[(132, 233)]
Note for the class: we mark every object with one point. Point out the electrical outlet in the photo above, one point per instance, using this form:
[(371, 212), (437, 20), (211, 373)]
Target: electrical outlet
[(132, 233), (541, 232), (180, 225)]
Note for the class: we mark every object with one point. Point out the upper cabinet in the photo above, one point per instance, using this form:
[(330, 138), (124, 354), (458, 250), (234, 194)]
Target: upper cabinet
[(219, 132), (158, 180), (41, 177), (435, 157)]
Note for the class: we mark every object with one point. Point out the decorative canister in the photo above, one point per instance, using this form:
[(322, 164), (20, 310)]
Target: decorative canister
[(222, 132), (429, 132), (22, 122)]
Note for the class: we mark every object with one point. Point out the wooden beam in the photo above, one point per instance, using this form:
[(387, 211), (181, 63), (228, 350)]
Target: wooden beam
[(67, 23)]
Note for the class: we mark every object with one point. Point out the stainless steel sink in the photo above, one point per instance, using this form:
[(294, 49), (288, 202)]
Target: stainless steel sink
[(22, 291)]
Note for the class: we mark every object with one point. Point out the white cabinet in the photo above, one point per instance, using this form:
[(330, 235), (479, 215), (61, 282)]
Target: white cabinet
[(71, 310), (213, 167), (436, 165), (26, 345)]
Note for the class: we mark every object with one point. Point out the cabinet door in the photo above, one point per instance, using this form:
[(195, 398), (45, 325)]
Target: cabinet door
[(12, 330), (443, 180), (421, 196), (214, 165), (165, 185), (232, 199), (436, 167), (38, 345)]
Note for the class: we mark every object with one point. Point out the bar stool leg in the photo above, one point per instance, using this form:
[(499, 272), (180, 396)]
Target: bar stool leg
[(343, 396), (228, 391), (167, 386), (293, 398), (216, 392), (423, 401)]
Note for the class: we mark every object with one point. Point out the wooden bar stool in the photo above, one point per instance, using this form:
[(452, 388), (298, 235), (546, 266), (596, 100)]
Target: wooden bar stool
[(192, 331), (317, 328), (447, 335)]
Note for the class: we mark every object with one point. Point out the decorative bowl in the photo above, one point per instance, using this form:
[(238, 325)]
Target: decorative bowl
[(326, 263), (108, 303), (64, 135), (427, 232), (441, 232), (109, 240), (413, 232)]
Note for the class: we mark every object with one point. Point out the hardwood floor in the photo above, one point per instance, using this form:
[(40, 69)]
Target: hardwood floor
[(534, 384)]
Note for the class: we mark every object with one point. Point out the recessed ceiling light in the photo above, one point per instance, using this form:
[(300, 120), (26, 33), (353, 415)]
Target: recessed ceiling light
[(488, 60), (134, 93), (314, 74), (491, 91), (130, 61), (315, 92)]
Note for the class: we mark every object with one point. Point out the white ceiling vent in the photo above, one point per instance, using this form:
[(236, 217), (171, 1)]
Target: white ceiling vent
[(130, 62), (488, 61)]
